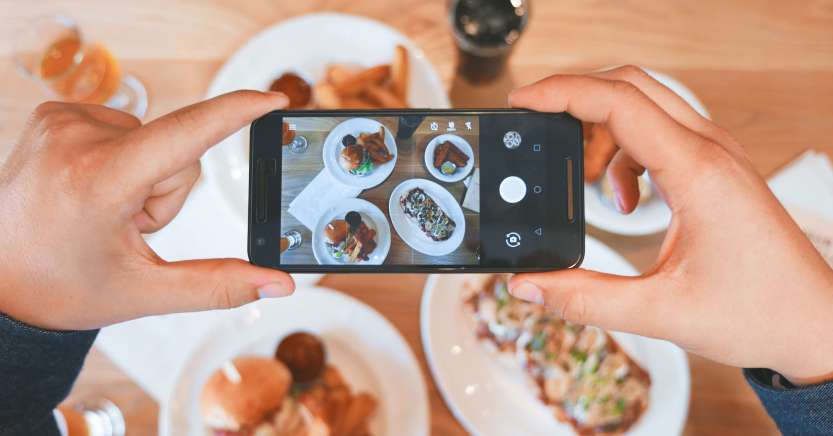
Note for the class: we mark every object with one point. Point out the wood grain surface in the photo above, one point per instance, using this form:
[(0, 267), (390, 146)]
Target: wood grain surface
[(764, 69)]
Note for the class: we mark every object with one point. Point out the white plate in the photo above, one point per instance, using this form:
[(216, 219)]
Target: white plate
[(408, 230), (372, 217), (332, 150), (651, 217), (489, 393), (460, 143), (360, 342), (306, 45)]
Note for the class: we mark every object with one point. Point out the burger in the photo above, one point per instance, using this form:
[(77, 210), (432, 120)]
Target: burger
[(336, 232), (356, 160), (250, 397)]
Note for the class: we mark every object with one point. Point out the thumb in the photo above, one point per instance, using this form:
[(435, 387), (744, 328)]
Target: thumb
[(589, 297), (194, 285)]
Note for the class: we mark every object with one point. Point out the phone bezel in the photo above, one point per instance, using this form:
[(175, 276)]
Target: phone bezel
[(578, 196)]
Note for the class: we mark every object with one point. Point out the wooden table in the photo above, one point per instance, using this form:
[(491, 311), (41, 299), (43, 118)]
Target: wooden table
[(299, 169), (764, 70)]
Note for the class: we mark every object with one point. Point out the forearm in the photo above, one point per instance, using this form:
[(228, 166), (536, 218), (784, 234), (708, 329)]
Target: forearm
[(37, 370), (805, 410)]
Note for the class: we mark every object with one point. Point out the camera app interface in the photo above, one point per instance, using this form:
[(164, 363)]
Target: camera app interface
[(393, 190)]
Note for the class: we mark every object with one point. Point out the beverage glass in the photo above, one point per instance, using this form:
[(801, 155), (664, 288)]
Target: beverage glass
[(486, 32), (52, 51), (98, 417), (291, 240)]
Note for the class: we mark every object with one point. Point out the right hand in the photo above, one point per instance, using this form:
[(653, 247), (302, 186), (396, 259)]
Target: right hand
[(736, 280)]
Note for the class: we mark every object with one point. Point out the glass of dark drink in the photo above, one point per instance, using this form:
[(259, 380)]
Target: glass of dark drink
[(485, 32)]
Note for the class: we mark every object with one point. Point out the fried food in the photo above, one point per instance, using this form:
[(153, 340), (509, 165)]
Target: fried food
[(374, 143), (346, 87), (448, 152)]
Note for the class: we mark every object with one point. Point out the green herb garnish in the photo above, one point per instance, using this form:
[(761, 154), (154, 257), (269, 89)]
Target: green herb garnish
[(578, 355)]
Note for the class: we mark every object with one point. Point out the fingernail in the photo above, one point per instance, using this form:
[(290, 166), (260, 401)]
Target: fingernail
[(619, 205), (528, 291), (273, 290)]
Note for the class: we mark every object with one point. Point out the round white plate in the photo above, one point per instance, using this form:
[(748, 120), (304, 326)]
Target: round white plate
[(369, 351), (489, 393), (462, 144), (408, 230), (332, 150), (306, 45), (651, 217), (372, 217)]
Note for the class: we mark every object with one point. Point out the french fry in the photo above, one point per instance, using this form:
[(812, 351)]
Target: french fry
[(338, 402), (360, 409), (339, 74), (399, 72), (358, 82), (326, 96), (358, 103), (384, 97)]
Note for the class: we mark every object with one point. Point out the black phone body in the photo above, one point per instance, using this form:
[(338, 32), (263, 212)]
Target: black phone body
[(468, 190)]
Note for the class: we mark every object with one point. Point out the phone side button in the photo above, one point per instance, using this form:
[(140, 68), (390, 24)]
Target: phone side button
[(260, 194)]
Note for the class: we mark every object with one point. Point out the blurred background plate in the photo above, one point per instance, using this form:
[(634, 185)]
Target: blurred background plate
[(370, 353), (653, 215), (307, 45), (484, 391)]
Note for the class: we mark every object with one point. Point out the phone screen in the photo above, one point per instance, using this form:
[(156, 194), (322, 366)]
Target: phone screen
[(457, 190)]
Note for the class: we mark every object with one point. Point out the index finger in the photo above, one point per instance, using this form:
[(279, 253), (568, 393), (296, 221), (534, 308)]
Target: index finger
[(636, 122), (170, 143)]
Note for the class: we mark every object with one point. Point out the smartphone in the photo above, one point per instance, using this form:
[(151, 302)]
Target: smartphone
[(418, 190)]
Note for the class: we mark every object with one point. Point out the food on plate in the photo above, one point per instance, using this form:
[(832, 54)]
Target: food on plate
[(379, 86), (294, 87), (599, 149), (288, 134), (350, 239), (359, 156), (303, 354), (448, 158), (580, 371), (428, 216), (259, 396)]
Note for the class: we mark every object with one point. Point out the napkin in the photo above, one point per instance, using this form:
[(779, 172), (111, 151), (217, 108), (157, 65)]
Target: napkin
[(472, 199), (805, 188), (322, 192)]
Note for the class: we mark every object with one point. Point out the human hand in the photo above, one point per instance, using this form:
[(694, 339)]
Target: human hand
[(80, 188), (736, 280)]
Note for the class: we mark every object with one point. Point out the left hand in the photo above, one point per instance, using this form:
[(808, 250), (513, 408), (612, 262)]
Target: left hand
[(80, 188)]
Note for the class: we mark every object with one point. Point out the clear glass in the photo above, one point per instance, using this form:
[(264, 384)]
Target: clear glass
[(299, 145), (52, 51), (291, 240), (98, 417)]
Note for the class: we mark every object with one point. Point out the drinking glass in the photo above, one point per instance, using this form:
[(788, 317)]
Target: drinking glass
[(291, 240), (52, 51)]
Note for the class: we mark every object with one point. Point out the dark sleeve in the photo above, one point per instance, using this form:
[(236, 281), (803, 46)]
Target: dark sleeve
[(797, 410), (37, 370)]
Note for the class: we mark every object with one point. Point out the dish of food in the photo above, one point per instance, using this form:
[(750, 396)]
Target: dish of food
[(580, 371), (352, 231), (359, 156), (382, 86), (321, 374), (652, 215), (493, 356), (294, 393), (320, 43), (449, 158), (360, 152), (427, 217), (350, 239)]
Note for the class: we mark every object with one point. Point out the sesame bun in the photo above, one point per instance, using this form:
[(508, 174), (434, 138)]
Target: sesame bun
[(263, 385)]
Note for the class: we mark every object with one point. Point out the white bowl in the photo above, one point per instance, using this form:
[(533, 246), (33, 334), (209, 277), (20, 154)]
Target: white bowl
[(462, 144)]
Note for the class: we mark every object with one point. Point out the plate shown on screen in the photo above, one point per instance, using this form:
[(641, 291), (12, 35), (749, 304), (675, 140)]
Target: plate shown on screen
[(458, 142), (333, 146), (408, 230), (484, 388), (306, 45), (372, 216), (653, 215), (368, 351)]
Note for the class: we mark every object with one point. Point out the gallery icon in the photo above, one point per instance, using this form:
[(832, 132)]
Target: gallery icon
[(434, 126)]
